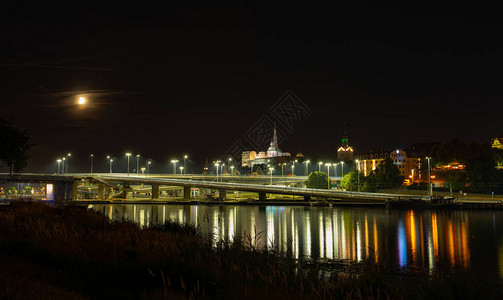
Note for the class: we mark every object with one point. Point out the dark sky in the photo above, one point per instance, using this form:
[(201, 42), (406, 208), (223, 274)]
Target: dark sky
[(193, 77)]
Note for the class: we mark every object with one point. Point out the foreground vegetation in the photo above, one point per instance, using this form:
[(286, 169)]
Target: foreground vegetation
[(72, 253)]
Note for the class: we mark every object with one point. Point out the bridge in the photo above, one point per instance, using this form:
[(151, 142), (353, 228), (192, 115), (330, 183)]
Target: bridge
[(66, 187)]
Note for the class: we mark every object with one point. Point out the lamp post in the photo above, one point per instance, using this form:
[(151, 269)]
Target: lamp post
[(111, 161), (222, 171), (429, 178), (137, 164), (59, 163), (128, 156), (270, 170), (174, 161), (69, 155), (293, 167), (328, 173), (64, 160), (217, 165), (92, 158), (342, 165), (282, 166), (319, 166), (184, 162), (307, 167), (232, 170), (181, 170), (143, 171), (358, 170), (148, 167)]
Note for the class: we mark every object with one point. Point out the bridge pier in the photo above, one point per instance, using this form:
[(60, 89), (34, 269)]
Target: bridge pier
[(186, 192), (262, 196), (65, 191), (101, 192), (155, 191), (222, 194)]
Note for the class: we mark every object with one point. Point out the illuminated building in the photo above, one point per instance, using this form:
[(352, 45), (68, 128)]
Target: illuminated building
[(345, 152), (250, 158), (497, 143), (407, 164)]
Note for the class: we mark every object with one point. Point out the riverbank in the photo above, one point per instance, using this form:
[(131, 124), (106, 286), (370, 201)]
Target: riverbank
[(72, 253)]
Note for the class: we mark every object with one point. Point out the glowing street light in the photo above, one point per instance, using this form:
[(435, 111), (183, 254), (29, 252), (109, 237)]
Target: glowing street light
[(358, 170), (232, 170), (342, 164), (174, 161), (184, 162), (111, 161), (148, 167), (282, 166), (328, 169), (82, 101), (128, 156), (307, 166), (181, 170), (59, 163), (137, 164), (92, 158), (319, 166), (69, 155), (217, 165), (142, 170), (271, 169), (429, 178), (63, 171)]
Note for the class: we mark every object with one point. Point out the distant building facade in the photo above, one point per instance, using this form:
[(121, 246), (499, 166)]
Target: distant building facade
[(407, 163), (497, 143), (250, 158)]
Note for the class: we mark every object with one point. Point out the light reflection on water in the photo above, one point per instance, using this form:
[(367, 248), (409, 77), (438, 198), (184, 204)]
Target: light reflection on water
[(425, 238)]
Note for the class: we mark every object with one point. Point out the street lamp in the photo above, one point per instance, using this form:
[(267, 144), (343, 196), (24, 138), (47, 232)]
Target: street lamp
[(342, 165), (429, 178), (64, 159), (232, 170), (358, 170), (217, 165), (184, 162), (174, 161), (222, 170), (148, 167), (270, 170), (328, 169), (137, 164), (229, 165), (69, 155), (111, 161), (282, 165), (335, 169), (319, 166), (181, 170), (307, 167), (59, 163), (143, 171), (92, 157), (128, 156)]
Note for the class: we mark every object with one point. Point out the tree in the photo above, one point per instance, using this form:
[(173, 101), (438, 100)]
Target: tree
[(317, 180), (387, 174), (14, 147), (350, 181)]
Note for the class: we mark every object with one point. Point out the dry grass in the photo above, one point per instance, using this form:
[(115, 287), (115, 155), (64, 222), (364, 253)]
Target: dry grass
[(72, 253)]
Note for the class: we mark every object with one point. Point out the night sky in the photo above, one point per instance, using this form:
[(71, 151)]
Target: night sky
[(168, 79)]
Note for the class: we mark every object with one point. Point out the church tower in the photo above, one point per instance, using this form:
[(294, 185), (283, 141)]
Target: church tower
[(345, 152)]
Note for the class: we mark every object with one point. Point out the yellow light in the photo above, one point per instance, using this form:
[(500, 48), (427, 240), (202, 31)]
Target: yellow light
[(82, 101)]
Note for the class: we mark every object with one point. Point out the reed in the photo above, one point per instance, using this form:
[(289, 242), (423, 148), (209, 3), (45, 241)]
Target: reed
[(73, 253)]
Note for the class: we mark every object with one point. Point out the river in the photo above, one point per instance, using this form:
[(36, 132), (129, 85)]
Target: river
[(469, 239)]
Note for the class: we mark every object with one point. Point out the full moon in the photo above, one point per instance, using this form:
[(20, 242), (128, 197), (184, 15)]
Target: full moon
[(82, 101)]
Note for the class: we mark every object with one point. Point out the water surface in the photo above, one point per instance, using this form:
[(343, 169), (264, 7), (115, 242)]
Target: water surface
[(470, 239)]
